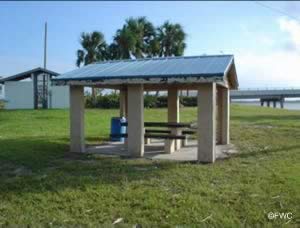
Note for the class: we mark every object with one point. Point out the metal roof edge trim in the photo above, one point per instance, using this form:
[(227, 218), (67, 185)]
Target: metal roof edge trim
[(168, 80), (15, 76), (138, 77), (228, 68)]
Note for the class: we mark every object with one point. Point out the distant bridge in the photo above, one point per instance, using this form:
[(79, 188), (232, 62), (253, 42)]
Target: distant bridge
[(266, 95)]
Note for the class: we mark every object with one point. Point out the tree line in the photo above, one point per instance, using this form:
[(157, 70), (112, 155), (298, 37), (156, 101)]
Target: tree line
[(138, 38), (150, 101)]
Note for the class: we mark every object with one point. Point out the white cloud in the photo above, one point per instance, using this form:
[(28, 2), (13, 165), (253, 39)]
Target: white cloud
[(292, 28), (266, 40), (278, 67)]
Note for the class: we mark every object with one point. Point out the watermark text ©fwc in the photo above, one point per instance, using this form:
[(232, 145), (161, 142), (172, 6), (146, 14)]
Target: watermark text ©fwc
[(280, 215)]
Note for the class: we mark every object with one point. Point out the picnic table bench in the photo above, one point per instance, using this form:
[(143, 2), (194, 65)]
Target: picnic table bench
[(163, 134)]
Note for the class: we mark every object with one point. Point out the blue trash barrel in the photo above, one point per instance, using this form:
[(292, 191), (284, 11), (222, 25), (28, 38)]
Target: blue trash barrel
[(116, 128)]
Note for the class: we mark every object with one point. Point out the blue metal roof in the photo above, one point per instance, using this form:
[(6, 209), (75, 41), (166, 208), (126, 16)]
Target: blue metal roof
[(190, 66)]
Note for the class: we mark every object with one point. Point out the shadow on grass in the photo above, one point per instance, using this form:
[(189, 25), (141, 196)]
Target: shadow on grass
[(33, 152), (39, 165)]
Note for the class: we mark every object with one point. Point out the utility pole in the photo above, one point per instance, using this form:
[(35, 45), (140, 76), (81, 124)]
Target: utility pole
[(45, 47), (45, 100)]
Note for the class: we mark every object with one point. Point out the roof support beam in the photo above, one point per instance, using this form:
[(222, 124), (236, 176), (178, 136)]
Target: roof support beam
[(159, 87), (147, 82)]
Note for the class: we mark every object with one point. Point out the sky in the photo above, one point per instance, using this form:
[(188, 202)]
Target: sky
[(264, 42)]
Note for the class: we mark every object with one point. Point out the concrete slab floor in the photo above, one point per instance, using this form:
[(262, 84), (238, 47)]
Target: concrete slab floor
[(155, 151)]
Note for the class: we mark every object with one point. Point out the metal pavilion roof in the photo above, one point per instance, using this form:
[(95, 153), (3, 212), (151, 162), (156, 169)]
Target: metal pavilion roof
[(213, 66), (27, 74)]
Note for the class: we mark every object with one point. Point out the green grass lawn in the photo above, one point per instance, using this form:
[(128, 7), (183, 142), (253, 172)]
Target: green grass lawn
[(40, 183)]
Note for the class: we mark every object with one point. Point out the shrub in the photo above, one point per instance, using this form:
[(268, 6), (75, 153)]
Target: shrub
[(102, 101), (1, 104), (188, 101), (108, 101), (150, 101), (162, 101), (89, 102)]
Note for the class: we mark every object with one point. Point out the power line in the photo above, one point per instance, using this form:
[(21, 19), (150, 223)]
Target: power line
[(277, 10)]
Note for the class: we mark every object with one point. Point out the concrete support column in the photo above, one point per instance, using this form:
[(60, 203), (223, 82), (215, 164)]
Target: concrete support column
[(135, 118), (282, 103), (185, 142), (261, 103), (77, 143), (173, 116), (223, 115), (274, 104), (206, 122), (123, 102), (268, 103), (147, 141), (124, 106)]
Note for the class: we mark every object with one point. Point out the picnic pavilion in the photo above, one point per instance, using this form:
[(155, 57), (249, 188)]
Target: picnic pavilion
[(211, 76)]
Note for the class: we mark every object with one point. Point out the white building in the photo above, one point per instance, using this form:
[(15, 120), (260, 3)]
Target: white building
[(33, 90)]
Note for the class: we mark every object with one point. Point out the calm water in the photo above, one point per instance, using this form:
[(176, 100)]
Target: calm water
[(291, 105)]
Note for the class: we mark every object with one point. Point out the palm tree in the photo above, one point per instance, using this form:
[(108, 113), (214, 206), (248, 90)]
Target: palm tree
[(94, 48), (124, 44), (137, 39), (171, 38), (113, 51), (146, 43)]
